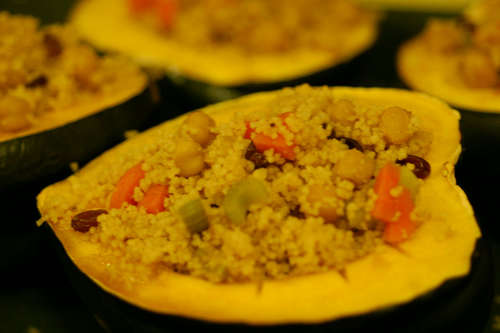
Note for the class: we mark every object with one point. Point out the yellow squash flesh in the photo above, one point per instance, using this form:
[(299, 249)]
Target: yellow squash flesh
[(437, 74), (440, 249), (108, 25)]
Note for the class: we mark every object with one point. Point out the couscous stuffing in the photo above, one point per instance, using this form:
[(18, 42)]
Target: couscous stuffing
[(305, 184), (46, 74), (253, 26), (471, 44)]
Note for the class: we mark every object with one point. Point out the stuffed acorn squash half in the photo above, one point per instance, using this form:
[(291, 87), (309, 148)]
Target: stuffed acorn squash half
[(214, 50), (458, 60), (300, 206), (59, 101)]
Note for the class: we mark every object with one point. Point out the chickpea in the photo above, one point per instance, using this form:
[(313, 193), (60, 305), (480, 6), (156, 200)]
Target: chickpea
[(355, 166), (198, 126), (10, 78), (81, 61), (443, 35), (188, 157), (487, 35), (14, 123), (326, 196), (395, 125), (342, 111), (11, 105), (478, 70), (420, 143), (267, 37)]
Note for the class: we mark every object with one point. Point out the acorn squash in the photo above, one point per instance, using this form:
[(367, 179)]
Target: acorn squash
[(439, 251), (40, 156), (60, 102), (462, 69), (207, 74)]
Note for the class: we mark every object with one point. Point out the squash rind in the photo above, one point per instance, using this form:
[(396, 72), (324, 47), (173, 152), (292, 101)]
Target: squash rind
[(460, 304), (48, 152), (439, 251)]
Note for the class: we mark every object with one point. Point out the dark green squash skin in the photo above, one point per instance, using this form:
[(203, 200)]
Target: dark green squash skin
[(460, 304), (192, 94), (373, 67), (41, 156), (478, 171)]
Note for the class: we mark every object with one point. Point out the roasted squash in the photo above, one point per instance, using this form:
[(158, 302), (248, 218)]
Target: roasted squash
[(440, 250), (60, 102), (462, 69), (215, 73), (459, 305), (40, 156)]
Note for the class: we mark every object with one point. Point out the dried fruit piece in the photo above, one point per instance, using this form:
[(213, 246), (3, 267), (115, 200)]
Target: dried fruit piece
[(422, 168), (82, 222)]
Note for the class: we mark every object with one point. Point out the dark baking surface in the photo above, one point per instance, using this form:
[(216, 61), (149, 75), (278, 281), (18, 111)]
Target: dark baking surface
[(35, 295)]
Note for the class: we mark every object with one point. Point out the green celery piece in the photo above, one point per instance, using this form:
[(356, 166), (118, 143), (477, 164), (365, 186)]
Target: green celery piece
[(194, 216), (240, 196), (408, 180)]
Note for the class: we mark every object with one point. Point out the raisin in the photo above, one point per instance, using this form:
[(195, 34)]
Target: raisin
[(358, 232), (351, 143), (466, 24), (52, 45), (422, 168), (258, 159), (82, 222), (332, 135), (297, 213), (39, 81)]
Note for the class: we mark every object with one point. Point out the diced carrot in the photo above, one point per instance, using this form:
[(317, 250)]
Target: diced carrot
[(248, 132), (388, 208), (387, 178), (283, 117), (385, 205), (394, 211), (154, 198), (263, 142), (124, 189), (138, 6), (166, 11), (399, 231)]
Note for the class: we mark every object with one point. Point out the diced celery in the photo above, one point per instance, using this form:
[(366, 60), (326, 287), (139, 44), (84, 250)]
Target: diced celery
[(194, 216), (241, 195), (408, 180)]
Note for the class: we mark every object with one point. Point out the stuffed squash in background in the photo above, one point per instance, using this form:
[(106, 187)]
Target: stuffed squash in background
[(209, 51), (56, 94), (458, 60), (295, 209)]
